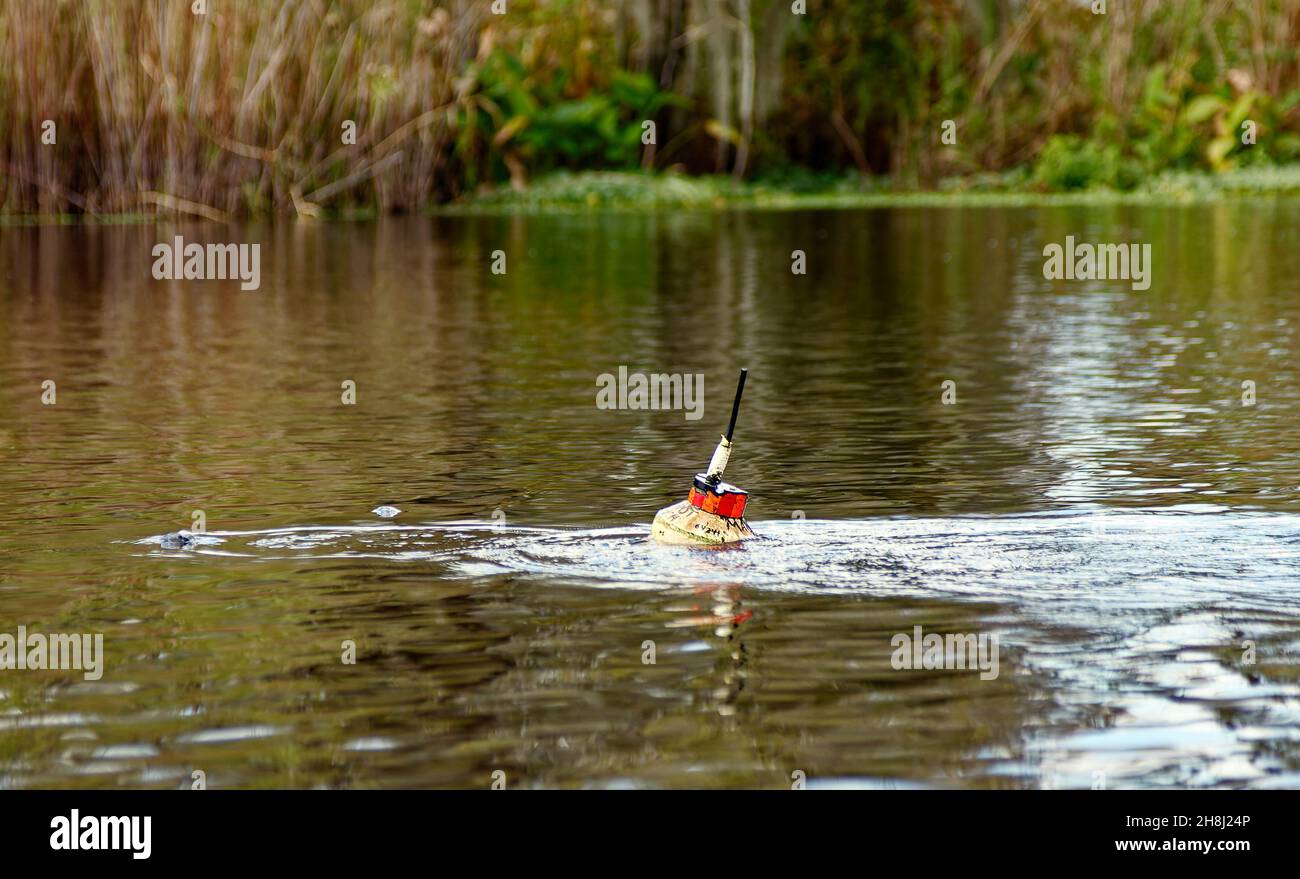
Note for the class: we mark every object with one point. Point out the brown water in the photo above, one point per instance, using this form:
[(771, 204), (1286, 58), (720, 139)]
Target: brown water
[(1098, 498)]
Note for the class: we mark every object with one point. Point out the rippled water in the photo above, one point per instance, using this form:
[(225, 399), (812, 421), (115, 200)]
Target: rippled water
[(1098, 498)]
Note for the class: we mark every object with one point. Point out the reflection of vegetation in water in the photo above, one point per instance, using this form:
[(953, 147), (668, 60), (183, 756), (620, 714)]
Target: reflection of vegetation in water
[(243, 109), (522, 652)]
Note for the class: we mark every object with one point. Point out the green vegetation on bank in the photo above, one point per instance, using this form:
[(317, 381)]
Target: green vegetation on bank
[(620, 191), (570, 192)]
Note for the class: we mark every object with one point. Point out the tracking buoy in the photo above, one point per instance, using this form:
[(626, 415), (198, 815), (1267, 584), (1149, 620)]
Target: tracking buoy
[(714, 511)]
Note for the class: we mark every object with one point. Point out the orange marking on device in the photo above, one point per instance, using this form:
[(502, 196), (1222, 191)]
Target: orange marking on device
[(728, 504)]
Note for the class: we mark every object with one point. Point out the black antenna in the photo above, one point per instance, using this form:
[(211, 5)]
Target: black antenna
[(735, 407)]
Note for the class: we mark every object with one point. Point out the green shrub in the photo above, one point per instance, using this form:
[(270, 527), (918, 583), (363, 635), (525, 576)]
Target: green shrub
[(518, 119), (1069, 163)]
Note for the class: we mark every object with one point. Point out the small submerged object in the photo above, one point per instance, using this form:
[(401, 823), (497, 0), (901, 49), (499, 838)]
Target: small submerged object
[(184, 539), (386, 511), (177, 540), (714, 511)]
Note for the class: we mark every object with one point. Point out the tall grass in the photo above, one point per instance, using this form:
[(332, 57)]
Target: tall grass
[(241, 109)]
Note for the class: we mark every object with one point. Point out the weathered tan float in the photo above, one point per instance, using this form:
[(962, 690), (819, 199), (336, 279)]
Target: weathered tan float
[(713, 513)]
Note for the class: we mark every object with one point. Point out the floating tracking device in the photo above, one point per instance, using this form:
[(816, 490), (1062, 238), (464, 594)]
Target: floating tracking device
[(714, 512)]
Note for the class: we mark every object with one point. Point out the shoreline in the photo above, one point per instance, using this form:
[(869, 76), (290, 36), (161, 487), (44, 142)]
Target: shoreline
[(637, 192)]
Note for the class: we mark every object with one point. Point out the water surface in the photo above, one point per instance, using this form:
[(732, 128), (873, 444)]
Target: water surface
[(1098, 497)]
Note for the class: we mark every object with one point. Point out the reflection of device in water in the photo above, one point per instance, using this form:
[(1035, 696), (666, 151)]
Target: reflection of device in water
[(714, 511), (725, 616)]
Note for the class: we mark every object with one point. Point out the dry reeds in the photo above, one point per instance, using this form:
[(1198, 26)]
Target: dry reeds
[(240, 109)]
